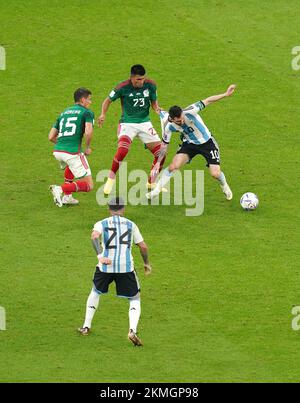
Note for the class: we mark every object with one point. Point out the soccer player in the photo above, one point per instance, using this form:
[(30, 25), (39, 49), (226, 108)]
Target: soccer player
[(136, 95), (116, 264), (197, 139), (71, 126)]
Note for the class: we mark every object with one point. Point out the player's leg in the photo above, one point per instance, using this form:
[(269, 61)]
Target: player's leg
[(101, 284), (154, 147), (151, 140), (91, 307), (215, 171), (134, 316), (178, 161), (68, 197), (69, 177), (211, 153), (79, 167), (127, 285), (126, 134)]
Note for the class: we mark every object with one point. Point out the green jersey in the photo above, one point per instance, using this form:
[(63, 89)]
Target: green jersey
[(71, 126), (135, 102)]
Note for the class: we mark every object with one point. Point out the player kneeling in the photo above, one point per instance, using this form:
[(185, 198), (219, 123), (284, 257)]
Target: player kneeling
[(72, 125)]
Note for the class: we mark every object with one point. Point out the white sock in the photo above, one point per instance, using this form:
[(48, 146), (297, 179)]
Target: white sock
[(91, 306), (165, 177), (134, 313), (222, 179)]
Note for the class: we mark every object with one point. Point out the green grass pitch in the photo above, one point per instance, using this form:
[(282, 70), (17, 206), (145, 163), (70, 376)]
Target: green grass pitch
[(218, 304)]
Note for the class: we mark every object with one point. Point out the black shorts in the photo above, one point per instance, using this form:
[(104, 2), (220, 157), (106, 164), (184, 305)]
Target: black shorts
[(209, 150), (127, 284)]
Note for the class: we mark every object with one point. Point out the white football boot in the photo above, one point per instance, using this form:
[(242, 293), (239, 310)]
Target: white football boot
[(134, 338), (227, 191), (84, 331), (152, 186), (155, 192), (69, 199), (57, 194), (108, 186)]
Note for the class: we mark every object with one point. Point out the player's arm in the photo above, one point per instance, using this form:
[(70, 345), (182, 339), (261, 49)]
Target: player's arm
[(153, 99), (139, 241), (214, 98), (54, 132), (53, 135), (155, 106), (88, 134), (98, 248), (105, 105), (144, 253)]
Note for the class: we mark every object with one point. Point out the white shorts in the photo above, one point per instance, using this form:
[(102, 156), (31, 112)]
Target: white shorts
[(77, 163), (145, 131)]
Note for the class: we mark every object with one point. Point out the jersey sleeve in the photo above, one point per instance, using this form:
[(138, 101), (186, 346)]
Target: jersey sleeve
[(153, 92), (115, 94), (137, 236), (167, 134), (56, 124), (89, 117), (195, 108), (165, 130), (98, 227)]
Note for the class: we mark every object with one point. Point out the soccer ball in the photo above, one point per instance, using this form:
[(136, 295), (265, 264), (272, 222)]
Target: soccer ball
[(249, 201)]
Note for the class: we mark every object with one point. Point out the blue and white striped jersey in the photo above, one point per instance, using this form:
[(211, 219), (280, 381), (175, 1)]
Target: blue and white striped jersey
[(118, 234), (193, 130)]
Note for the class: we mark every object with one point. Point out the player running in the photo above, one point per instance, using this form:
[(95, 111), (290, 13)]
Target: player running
[(197, 139), (136, 95), (72, 125), (116, 264)]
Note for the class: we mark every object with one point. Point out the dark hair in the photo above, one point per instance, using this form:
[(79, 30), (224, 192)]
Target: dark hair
[(116, 204), (175, 112), (81, 93), (138, 70)]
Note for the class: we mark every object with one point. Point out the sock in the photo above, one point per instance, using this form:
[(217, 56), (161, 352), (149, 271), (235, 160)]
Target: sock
[(166, 176), (134, 312), (68, 178), (68, 175), (221, 179), (155, 152), (91, 306), (124, 143), (78, 186)]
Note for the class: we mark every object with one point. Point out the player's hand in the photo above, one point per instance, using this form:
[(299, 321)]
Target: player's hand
[(88, 151), (104, 260), (100, 120), (148, 269), (230, 90)]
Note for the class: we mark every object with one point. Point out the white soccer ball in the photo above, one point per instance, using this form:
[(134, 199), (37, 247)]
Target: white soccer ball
[(249, 201)]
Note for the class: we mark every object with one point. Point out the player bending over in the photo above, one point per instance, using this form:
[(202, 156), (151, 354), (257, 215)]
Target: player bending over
[(197, 139), (116, 264), (73, 123), (136, 95)]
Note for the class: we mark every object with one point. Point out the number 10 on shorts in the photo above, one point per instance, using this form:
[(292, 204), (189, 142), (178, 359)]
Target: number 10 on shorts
[(2, 318), (215, 155)]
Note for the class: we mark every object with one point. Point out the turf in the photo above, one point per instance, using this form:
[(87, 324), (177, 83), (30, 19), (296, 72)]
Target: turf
[(218, 304)]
